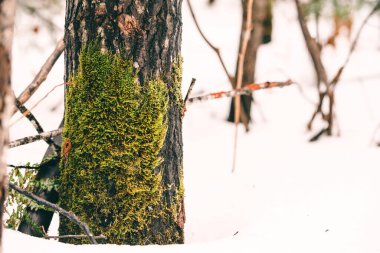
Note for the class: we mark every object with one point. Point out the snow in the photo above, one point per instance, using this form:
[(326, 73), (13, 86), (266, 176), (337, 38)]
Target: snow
[(287, 195)]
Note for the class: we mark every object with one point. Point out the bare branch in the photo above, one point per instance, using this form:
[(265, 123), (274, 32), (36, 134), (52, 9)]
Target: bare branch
[(28, 167), (247, 90), (337, 76), (187, 95), (42, 74), (28, 114), (38, 102), (190, 89), (215, 49), (315, 54), (312, 46), (30, 139), (314, 51), (72, 217)]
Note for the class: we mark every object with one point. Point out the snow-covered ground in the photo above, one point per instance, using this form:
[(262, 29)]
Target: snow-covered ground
[(287, 195)]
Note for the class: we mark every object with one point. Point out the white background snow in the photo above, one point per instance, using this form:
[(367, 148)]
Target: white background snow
[(287, 195)]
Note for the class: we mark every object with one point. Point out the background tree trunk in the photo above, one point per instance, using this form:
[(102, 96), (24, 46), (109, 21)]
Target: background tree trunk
[(36, 221), (149, 34), (261, 33), (7, 10)]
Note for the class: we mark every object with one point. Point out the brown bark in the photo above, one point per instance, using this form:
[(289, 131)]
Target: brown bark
[(148, 33), (7, 8), (260, 10)]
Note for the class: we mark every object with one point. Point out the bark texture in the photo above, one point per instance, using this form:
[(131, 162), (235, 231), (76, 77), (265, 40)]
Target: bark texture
[(149, 34), (261, 30), (7, 9)]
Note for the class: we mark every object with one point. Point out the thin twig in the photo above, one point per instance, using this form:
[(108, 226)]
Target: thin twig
[(102, 237), (190, 89), (247, 90), (38, 102), (28, 167), (72, 217), (215, 49), (42, 74), (30, 139), (187, 95), (354, 43), (239, 78), (27, 114)]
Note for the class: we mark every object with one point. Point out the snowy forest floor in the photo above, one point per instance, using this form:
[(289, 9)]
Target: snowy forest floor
[(287, 195)]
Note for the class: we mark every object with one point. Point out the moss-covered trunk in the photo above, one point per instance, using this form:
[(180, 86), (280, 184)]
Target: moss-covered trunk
[(121, 169)]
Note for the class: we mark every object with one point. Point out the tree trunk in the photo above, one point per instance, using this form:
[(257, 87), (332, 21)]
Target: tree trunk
[(261, 22), (7, 10), (110, 45)]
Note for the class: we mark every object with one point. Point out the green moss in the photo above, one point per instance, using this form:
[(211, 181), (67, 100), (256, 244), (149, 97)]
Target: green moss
[(111, 177), (175, 90)]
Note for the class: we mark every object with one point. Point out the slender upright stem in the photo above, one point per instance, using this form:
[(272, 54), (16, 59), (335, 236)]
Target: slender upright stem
[(243, 48)]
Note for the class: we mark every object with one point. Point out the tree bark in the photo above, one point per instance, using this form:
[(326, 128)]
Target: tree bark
[(261, 28), (7, 11), (149, 34)]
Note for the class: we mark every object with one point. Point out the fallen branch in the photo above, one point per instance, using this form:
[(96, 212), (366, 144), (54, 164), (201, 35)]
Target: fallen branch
[(101, 237), (72, 217), (248, 89), (42, 74), (215, 49), (30, 139)]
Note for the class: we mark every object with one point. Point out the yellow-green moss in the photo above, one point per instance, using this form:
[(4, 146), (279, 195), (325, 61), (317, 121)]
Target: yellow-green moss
[(111, 178), (176, 89)]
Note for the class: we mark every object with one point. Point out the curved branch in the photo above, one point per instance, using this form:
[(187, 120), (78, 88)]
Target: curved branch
[(29, 115), (337, 76), (72, 217), (215, 49), (42, 74)]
